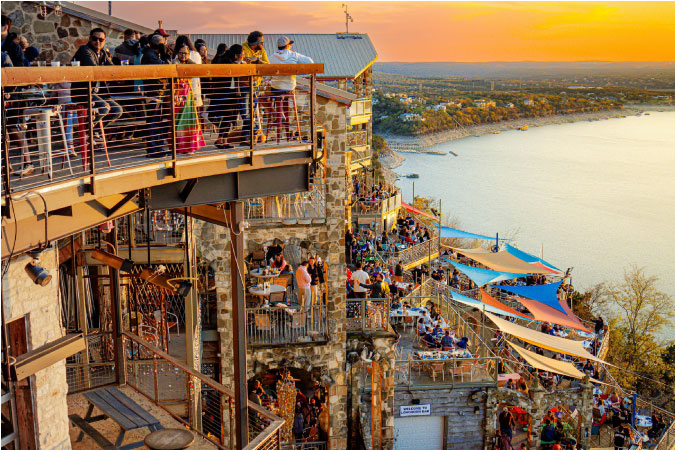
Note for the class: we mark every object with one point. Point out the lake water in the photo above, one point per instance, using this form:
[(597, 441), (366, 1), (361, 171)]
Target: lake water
[(599, 196)]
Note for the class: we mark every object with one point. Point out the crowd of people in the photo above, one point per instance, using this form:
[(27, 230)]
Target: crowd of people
[(224, 101)]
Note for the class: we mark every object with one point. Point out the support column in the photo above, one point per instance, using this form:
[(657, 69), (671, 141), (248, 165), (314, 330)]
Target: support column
[(193, 327), (116, 306), (236, 215)]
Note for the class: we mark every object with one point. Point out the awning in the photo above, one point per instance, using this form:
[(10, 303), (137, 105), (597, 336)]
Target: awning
[(552, 343), (488, 300), (468, 301), (484, 276), (502, 261), (414, 210), (544, 293), (545, 313), (529, 258), (447, 232), (548, 364)]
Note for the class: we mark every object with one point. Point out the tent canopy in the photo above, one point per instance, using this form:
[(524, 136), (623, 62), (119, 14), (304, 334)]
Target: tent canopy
[(447, 232), (548, 364), (468, 301), (545, 313), (529, 258), (552, 343), (414, 210), (488, 300), (484, 276), (502, 261), (544, 293)]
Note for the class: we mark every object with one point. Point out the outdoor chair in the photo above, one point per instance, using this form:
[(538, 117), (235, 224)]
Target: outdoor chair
[(436, 368), (408, 321), (402, 368), (277, 297), (171, 322), (298, 323), (416, 365), (263, 324), (258, 256)]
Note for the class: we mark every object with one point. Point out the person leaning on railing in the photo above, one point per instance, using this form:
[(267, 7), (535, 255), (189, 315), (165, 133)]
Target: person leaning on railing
[(156, 91), (94, 53)]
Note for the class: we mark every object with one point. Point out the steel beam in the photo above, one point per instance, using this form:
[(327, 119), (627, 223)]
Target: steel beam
[(236, 212)]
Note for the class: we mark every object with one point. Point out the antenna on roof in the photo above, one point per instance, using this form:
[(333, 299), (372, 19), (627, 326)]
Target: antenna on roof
[(348, 17)]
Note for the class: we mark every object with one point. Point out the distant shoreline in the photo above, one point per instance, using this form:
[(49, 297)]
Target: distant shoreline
[(391, 159)]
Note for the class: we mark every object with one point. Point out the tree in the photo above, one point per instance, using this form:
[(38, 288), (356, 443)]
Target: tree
[(644, 309)]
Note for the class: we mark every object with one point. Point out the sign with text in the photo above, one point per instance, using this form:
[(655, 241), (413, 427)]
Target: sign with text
[(415, 410)]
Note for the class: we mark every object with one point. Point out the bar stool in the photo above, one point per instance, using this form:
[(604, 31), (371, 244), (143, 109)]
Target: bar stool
[(44, 138)]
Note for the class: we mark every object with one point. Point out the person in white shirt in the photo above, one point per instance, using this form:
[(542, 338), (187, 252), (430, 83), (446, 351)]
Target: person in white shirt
[(283, 87), (360, 277)]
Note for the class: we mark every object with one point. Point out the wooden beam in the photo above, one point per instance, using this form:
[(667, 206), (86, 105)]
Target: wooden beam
[(42, 357), (23, 76), (187, 190), (147, 274), (208, 213), (127, 198)]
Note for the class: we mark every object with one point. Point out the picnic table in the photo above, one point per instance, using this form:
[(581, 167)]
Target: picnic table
[(117, 406)]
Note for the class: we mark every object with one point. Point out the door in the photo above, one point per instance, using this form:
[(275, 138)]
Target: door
[(415, 433)]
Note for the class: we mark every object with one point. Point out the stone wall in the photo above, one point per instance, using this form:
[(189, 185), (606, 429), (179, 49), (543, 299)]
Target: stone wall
[(537, 406), (41, 307), (57, 37), (325, 360), (463, 409)]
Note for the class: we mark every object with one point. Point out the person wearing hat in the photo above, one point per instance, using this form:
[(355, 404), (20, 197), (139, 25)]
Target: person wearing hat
[(283, 86)]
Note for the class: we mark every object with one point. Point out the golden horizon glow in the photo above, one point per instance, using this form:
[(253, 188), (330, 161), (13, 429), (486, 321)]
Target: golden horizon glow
[(442, 31)]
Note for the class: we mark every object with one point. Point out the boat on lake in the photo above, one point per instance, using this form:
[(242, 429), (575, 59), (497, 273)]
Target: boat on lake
[(412, 175), (523, 128)]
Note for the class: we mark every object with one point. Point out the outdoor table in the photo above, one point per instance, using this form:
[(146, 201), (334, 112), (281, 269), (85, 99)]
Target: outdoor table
[(117, 406), (259, 291), (504, 377), (259, 273), (439, 354), (169, 439)]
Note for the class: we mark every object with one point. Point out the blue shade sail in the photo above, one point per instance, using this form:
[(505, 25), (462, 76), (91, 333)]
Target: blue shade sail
[(543, 293)]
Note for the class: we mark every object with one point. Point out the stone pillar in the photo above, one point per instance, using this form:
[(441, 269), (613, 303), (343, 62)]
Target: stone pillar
[(586, 411), (538, 412), (41, 309)]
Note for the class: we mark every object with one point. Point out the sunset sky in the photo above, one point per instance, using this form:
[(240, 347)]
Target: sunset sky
[(440, 31)]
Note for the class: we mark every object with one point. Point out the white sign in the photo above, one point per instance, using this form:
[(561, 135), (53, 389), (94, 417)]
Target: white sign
[(415, 410)]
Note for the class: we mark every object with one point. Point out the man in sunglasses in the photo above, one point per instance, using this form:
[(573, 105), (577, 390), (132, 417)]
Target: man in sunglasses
[(94, 53)]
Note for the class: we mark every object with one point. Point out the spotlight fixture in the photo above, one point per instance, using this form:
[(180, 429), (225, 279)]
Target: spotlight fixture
[(127, 266), (37, 273), (184, 288)]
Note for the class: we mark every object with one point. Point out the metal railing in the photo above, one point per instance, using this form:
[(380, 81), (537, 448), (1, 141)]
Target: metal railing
[(377, 207), (310, 205), (73, 123), (93, 367), (166, 229), (279, 325), (361, 154), (194, 399), (357, 138), (450, 372), (368, 314)]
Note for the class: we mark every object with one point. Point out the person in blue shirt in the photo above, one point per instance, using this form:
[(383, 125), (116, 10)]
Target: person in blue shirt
[(463, 343), (429, 340)]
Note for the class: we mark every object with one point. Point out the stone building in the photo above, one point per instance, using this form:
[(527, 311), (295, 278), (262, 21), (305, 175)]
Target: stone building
[(59, 33)]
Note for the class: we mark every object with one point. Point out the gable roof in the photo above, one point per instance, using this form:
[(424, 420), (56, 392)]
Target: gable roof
[(344, 55), (102, 18)]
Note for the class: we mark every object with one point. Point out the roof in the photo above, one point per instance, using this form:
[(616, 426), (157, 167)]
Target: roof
[(344, 55), (101, 18)]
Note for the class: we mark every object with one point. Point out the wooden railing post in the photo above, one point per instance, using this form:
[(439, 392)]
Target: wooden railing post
[(173, 127), (90, 148)]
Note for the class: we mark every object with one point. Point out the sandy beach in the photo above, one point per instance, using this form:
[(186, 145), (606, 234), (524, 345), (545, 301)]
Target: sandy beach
[(392, 159)]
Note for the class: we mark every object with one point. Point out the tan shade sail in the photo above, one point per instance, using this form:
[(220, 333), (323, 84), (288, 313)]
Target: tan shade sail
[(545, 313), (548, 364), (552, 343), (502, 261)]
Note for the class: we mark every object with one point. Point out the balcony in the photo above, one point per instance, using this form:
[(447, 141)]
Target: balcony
[(360, 111), (270, 326), (377, 207), (367, 315), (302, 208), (89, 168)]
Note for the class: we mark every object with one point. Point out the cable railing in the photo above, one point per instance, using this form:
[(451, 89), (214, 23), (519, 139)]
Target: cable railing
[(367, 314), (194, 399), (288, 208), (449, 372), (377, 207), (280, 325), (77, 123), (166, 229)]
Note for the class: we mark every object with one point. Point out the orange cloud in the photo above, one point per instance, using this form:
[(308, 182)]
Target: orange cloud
[(442, 31)]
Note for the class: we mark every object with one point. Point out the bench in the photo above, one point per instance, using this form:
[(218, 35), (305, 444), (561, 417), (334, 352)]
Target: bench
[(119, 407)]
